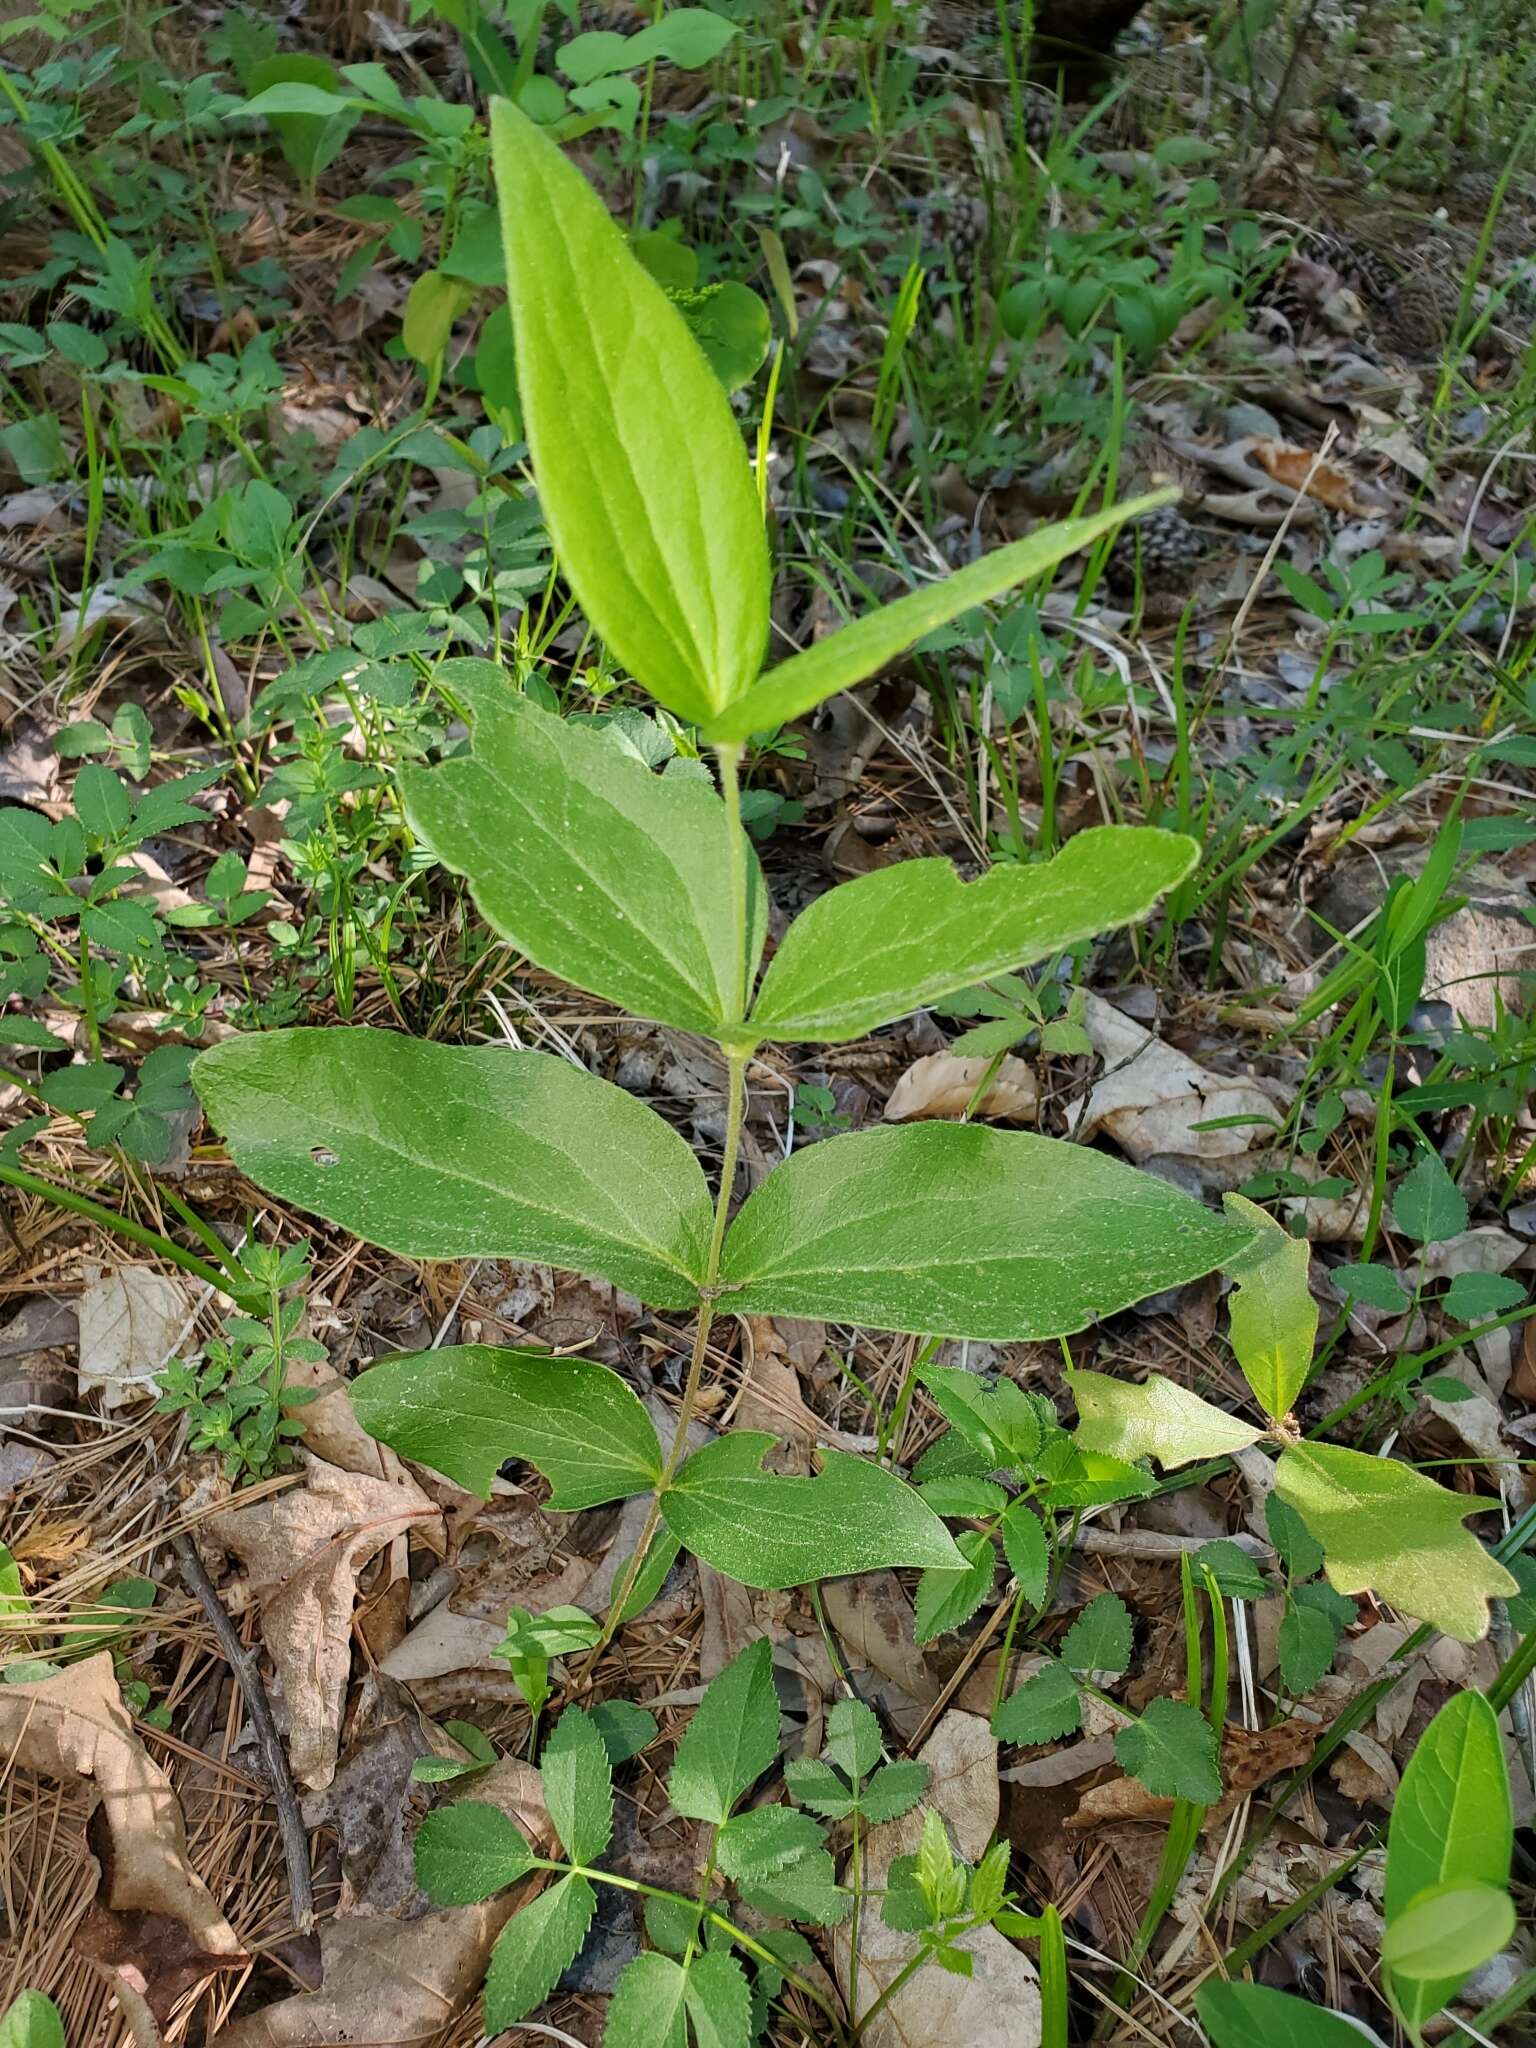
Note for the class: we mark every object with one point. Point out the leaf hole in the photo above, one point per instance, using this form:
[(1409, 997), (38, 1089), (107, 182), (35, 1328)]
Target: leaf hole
[(322, 1155)]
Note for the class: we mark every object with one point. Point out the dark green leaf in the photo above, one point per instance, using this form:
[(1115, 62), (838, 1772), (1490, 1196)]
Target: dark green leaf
[(468, 1851), (1100, 1638), (1045, 1707), (731, 1740), (947, 1599), (1172, 1750), (535, 1949), (578, 1786)]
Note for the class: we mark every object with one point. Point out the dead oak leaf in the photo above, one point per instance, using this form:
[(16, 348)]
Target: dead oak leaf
[(1300, 470), (303, 1552)]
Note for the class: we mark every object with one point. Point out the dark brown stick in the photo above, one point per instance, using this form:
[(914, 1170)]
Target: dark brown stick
[(290, 1822)]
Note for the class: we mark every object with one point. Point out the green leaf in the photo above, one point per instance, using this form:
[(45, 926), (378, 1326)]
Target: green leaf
[(805, 1890), (641, 473), (625, 1728), (954, 1227), (1233, 1569), (1428, 1206), (894, 1790), (1027, 1550), (1447, 1933), (1387, 1529), (853, 1738), (434, 302), (1307, 1642), (31, 2020), (947, 1599), (297, 95), (731, 325), (765, 1529), (578, 1786), (1253, 2016), (1473, 1296), (1451, 1825), (102, 802), (1100, 1638), (599, 870), (468, 1408), (717, 1994), (892, 941), (1172, 1750), (536, 1947), (965, 1496), (1045, 1707), (456, 1152), (1154, 1420), (1300, 1551), (646, 2010), (1274, 1318), (864, 648), (467, 1851), (754, 1844), (818, 1786), (1377, 1286), (731, 1740)]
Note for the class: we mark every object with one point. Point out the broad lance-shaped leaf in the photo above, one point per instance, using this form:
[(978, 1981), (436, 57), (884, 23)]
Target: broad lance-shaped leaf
[(1253, 2016), (965, 1230), (906, 935), (1154, 1420), (862, 649), (601, 871), (462, 1152), (1274, 1318), (767, 1529), (468, 1408), (534, 1950), (638, 459), (1387, 1529)]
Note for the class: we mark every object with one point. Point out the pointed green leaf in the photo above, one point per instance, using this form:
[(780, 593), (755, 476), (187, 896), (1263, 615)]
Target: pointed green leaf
[(535, 1949), (1388, 1529), (965, 1230), (731, 1740), (1045, 1707), (1451, 1825), (947, 1599), (894, 1790), (1447, 1933), (892, 941), (1100, 1638), (467, 1409), (767, 1529), (457, 1152), (1299, 1550), (1234, 1571), (819, 1787), (601, 871), (1154, 1420), (646, 2010), (717, 1995), (1172, 1750), (467, 1851), (1274, 1318), (625, 1728), (1027, 1551), (1306, 1644), (641, 473), (804, 1890), (1253, 2016), (1427, 1207), (862, 649), (853, 1738), (578, 1786), (31, 2020), (964, 1496), (763, 1839)]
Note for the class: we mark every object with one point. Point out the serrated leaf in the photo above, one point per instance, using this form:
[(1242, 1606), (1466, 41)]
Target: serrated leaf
[(805, 1890), (1427, 1207), (964, 1496), (1274, 1318), (958, 1228), (625, 1728), (535, 1948), (604, 873), (31, 2020), (752, 1845), (1157, 1419), (646, 2010), (1253, 2016), (717, 1994), (467, 1851), (862, 649), (893, 941), (816, 1785), (458, 1152), (1389, 1530), (1448, 1932), (578, 1786), (468, 1408), (1377, 1286), (947, 1599), (641, 473), (1045, 1707), (894, 1790), (1172, 1750), (965, 1402), (1100, 1638), (1473, 1296), (1451, 1824), (1028, 1551), (1090, 1479), (768, 1529), (1306, 1643), (853, 1738), (731, 1740)]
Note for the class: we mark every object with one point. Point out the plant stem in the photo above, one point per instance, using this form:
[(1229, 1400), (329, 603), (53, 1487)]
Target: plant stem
[(122, 1226)]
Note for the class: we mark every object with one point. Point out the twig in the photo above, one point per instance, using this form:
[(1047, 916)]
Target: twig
[(290, 1822)]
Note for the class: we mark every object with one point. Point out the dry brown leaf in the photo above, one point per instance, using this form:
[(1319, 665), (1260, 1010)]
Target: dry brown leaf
[(1250, 1757), (132, 1320), (1294, 467), (392, 1986), (998, 2006), (943, 1083), (153, 1914), (303, 1551)]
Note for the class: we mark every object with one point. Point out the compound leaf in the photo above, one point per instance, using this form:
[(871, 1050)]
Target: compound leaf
[(862, 649), (1386, 1528), (1172, 1750), (578, 1786), (467, 1409), (731, 1740), (467, 1851), (1274, 1318), (1154, 1420), (461, 1152), (894, 1790), (641, 474), (600, 870), (965, 1230), (535, 1949), (768, 1529), (892, 941)]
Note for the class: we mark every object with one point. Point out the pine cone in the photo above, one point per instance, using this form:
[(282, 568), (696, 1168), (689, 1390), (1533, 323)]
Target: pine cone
[(955, 222), (1043, 116), (1163, 546)]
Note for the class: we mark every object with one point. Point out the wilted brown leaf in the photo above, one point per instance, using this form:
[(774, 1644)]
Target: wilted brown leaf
[(1294, 467), (943, 1083)]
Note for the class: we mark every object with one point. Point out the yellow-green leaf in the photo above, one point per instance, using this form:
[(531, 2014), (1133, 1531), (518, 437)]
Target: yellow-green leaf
[(1154, 1420), (1274, 1318)]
